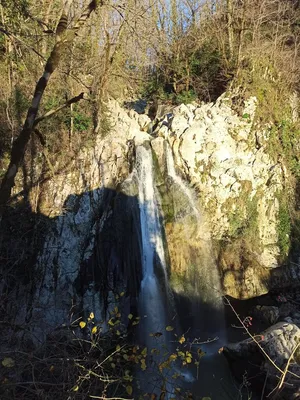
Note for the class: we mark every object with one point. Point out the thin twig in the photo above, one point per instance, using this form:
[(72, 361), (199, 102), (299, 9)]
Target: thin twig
[(101, 377), (9, 34), (108, 398), (264, 387), (287, 366), (258, 344), (116, 351)]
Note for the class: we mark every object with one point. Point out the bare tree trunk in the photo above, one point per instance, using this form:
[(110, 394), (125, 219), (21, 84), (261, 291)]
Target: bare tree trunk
[(10, 79), (46, 21), (64, 38), (230, 27), (241, 33)]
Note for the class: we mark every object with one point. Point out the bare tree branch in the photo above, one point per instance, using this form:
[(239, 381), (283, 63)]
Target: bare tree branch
[(64, 38), (61, 107), (9, 34)]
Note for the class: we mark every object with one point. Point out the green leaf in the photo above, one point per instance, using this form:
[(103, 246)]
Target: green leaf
[(8, 362), (169, 328), (129, 390), (144, 352), (94, 330), (143, 365)]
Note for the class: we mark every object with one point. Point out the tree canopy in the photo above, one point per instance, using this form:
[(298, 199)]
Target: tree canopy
[(73, 55)]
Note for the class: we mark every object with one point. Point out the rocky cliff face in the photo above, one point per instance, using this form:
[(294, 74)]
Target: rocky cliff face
[(219, 194), (237, 187), (237, 184)]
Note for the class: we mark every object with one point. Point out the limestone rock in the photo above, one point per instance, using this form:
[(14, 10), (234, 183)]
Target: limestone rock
[(216, 158), (278, 342), (158, 146), (223, 157)]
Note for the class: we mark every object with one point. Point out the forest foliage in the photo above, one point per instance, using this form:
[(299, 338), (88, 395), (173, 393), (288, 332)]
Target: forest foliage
[(170, 50), (166, 51), (174, 51)]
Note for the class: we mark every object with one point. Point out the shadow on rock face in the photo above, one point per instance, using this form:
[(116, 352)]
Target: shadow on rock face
[(50, 266)]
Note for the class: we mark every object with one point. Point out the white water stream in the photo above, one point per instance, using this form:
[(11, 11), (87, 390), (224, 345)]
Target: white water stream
[(150, 224), (153, 299), (178, 181)]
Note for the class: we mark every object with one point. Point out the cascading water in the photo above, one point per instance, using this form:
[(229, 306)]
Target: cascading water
[(201, 297), (204, 297), (152, 306), (178, 181), (206, 279), (151, 230), (153, 299)]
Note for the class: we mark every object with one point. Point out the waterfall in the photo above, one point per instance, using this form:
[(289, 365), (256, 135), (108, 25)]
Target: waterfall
[(193, 239), (178, 181), (204, 276), (204, 300), (154, 286), (199, 301), (150, 225), (153, 299)]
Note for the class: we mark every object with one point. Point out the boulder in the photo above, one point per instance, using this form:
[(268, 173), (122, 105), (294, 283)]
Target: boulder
[(267, 314), (265, 358)]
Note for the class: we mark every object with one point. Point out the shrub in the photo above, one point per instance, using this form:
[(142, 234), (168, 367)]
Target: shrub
[(82, 122), (284, 228)]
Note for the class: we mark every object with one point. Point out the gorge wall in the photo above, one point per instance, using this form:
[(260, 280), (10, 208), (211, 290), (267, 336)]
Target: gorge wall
[(219, 195)]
